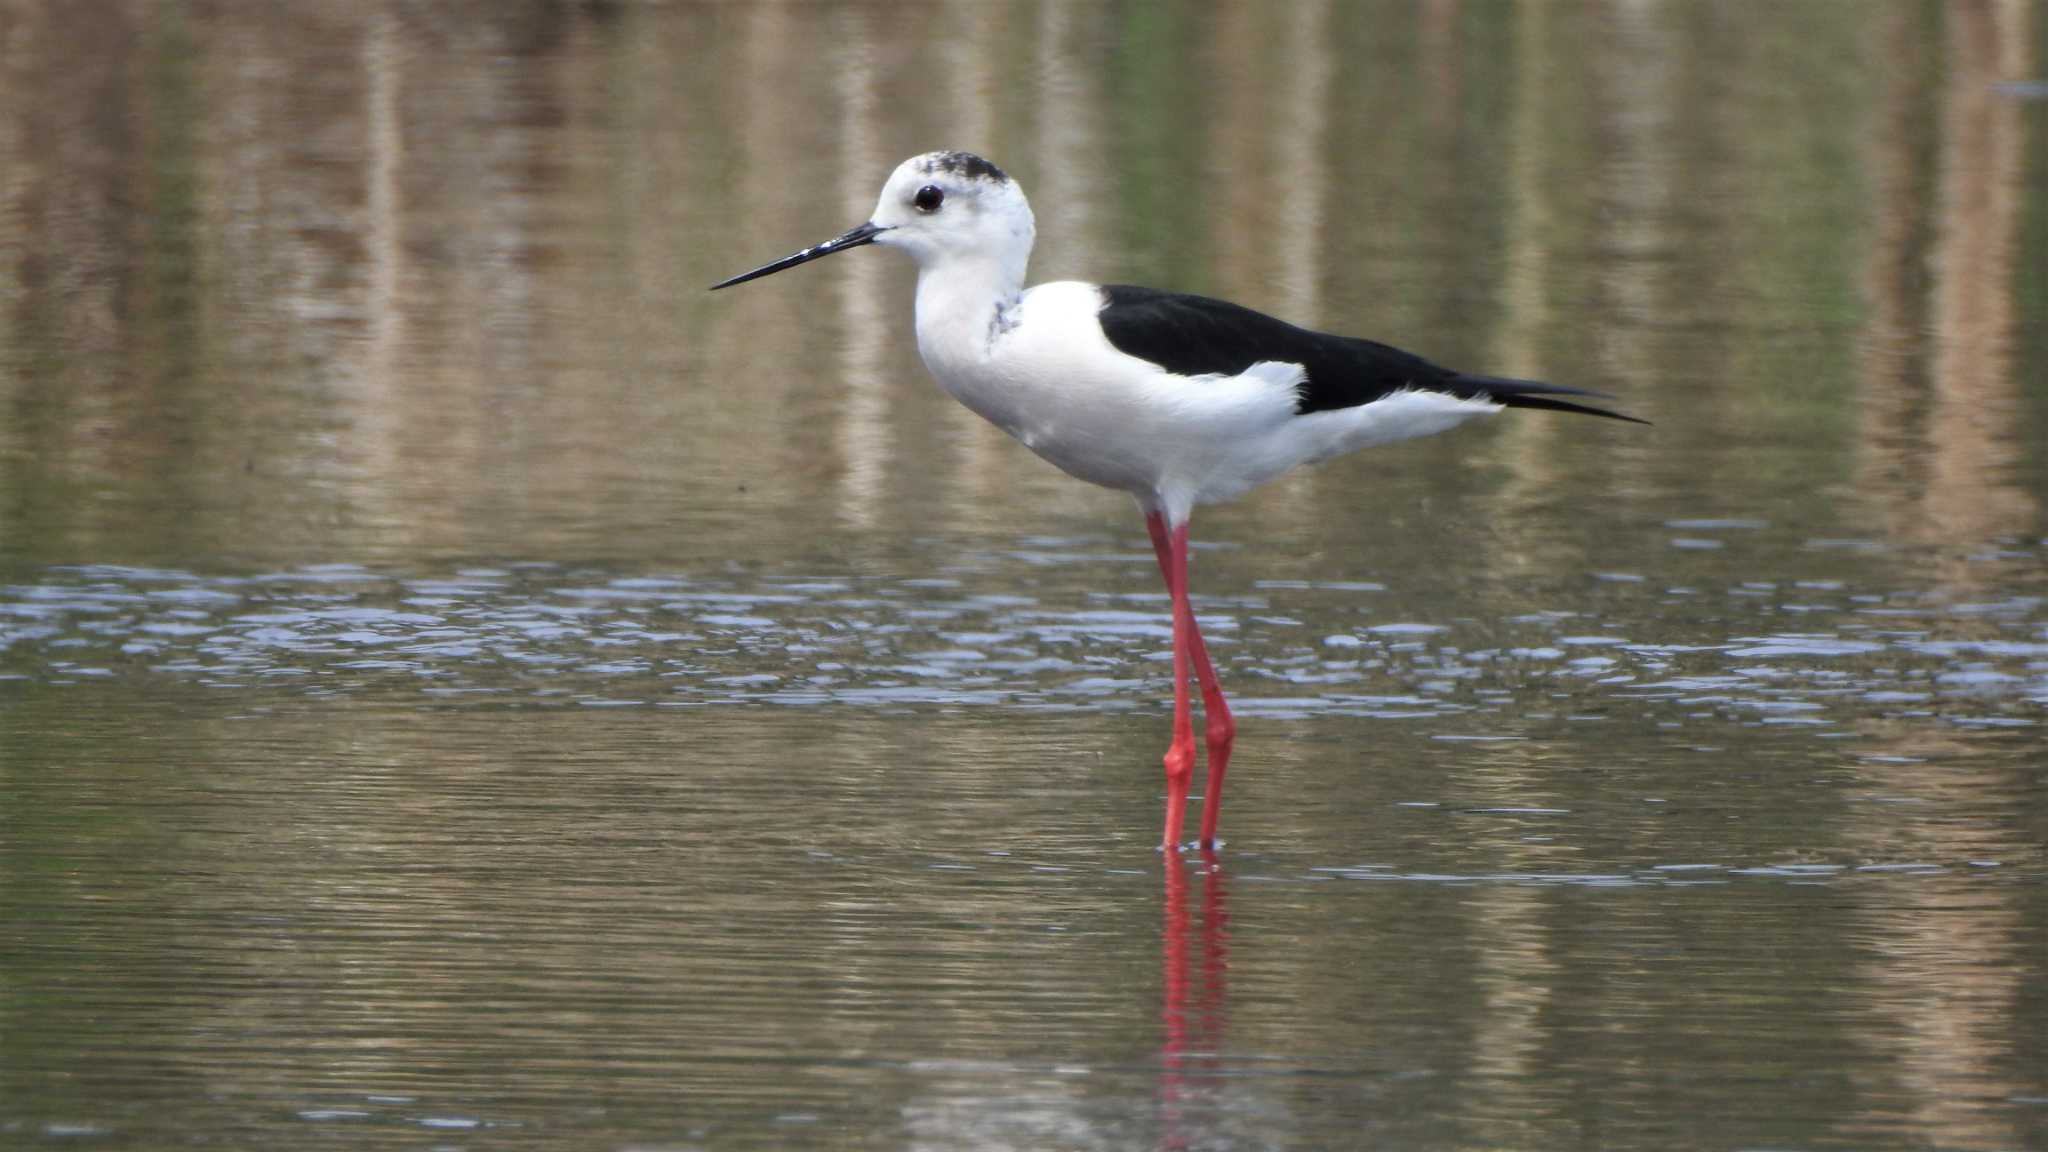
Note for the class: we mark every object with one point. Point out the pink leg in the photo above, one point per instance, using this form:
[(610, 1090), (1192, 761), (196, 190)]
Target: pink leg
[(1180, 755), (1220, 729)]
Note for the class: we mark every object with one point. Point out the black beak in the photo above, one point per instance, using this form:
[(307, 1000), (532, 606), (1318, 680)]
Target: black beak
[(865, 234)]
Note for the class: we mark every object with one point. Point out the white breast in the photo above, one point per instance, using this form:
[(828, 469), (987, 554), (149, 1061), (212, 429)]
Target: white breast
[(1050, 378)]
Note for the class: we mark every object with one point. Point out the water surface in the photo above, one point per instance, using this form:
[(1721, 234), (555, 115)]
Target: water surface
[(463, 685)]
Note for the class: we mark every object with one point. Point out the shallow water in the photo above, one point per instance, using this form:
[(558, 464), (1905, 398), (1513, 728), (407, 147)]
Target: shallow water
[(461, 685)]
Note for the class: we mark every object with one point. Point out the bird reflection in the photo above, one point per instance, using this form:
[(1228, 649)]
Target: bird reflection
[(1195, 1002)]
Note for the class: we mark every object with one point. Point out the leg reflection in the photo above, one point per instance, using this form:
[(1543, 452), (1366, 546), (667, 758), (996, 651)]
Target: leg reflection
[(1193, 1019)]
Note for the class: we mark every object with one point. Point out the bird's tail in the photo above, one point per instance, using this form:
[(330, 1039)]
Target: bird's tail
[(1536, 394)]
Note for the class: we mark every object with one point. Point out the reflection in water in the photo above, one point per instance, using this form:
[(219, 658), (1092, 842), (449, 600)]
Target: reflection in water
[(398, 343), (458, 680), (1943, 399), (865, 311), (1517, 979), (1971, 494), (1191, 1056), (372, 391), (1305, 101), (350, 850), (1067, 153), (1946, 970)]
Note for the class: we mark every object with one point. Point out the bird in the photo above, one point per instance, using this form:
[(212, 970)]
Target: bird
[(1179, 400)]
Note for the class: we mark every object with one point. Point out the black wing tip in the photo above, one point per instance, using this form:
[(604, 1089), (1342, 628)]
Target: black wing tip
[(1551, 405), (1537, 394)]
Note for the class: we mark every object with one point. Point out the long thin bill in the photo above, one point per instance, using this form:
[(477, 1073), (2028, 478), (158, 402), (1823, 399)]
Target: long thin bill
[(854, 238)]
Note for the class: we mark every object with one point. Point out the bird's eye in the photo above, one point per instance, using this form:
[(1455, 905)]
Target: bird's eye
[(928, 198)]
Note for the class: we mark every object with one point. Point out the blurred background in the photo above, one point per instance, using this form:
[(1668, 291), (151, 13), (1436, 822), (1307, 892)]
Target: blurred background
[(462, 681), (299, 281)]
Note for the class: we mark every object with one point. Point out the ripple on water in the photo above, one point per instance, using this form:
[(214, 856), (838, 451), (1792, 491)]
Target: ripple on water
[(974, 640)]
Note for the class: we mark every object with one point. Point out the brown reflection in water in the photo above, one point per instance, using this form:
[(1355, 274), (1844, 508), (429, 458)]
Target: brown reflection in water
[(1972, 492), (1941, 963), (1068, 155), (373, 389), (1195, 1008), (973, 34), (70, 183), (1239, 138), (258, 291), (381, 308), (1893, 361), (1531, 214), (1531, 225), (765, 200), (1299, 243), (1516, 978), (1640, 106), (1271, 143), (1940, 396), (868, 321)]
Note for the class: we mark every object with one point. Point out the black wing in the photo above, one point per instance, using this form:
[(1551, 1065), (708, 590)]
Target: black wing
[(1195, 336)]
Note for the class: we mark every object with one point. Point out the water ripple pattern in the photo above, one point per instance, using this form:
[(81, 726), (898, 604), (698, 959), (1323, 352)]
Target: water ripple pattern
[(1813, 655)]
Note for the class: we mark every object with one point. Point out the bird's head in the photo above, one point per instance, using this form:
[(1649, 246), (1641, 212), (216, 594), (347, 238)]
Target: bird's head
[(938, 207), (944, 205)]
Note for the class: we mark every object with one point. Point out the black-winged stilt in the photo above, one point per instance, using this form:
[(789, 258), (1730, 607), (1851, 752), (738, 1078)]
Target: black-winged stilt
[(1178, 400)]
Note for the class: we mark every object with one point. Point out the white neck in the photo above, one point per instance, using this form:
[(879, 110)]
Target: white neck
[(962, 300)]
